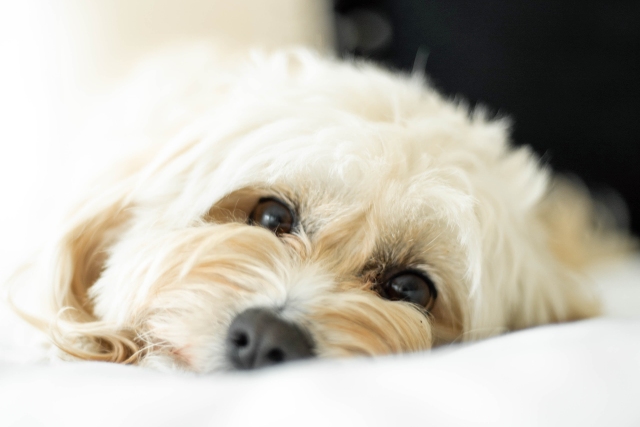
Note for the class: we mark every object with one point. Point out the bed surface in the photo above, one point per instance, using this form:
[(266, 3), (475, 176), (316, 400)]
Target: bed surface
[(585, 373)]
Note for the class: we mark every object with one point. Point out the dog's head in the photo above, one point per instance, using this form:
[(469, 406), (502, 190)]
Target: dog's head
[(317, 209)]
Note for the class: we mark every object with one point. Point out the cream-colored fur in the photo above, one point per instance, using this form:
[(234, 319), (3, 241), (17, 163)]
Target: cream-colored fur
[(383, 172)]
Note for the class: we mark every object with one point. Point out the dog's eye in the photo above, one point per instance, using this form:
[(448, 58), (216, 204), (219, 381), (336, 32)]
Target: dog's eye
[(409, 286), (272, 214)]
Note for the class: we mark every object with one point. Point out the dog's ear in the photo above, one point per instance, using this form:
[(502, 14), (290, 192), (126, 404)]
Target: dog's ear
[(583, 230), (574, 235), (76, 259)]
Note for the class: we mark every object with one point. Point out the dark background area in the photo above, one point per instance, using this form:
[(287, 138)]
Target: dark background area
[(566, 72)]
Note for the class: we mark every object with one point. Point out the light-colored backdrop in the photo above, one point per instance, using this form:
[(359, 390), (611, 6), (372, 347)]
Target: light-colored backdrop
[(59, 57)]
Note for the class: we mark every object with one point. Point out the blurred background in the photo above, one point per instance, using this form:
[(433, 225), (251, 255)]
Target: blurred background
[(565, 71)]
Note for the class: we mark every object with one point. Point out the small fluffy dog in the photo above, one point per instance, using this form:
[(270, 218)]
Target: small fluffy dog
[(298, 207)]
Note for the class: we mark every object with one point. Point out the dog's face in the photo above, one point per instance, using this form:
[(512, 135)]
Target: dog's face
[(320, 209)]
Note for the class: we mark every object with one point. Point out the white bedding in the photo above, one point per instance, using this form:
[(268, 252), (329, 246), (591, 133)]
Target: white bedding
[(583, 374)]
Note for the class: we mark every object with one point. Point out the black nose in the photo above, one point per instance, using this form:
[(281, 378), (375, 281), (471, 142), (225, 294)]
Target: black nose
[(258, 337)]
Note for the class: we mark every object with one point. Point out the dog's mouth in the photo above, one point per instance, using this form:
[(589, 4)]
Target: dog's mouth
[(259, 337)]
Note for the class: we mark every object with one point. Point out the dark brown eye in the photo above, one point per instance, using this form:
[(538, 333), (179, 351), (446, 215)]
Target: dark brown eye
[(272, 214), (410, 286)]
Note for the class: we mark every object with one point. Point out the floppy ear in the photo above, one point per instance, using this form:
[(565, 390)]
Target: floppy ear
[(578, 235), (77, 257), (582, 231)]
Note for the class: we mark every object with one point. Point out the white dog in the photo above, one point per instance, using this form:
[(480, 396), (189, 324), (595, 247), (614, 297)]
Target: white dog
[(298, 206)]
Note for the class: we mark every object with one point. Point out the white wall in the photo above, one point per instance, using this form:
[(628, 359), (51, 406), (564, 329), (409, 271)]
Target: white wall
[(57, 59)]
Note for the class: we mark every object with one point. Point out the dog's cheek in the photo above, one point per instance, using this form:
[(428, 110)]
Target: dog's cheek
[(187, 327), (195, 282), (358, 323)]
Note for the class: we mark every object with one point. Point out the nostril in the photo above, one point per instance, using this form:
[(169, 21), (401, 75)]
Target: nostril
[(276, 355), (240, 339)]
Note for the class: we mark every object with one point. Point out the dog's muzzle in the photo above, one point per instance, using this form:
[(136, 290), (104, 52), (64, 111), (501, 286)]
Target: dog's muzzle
[(258, 337)]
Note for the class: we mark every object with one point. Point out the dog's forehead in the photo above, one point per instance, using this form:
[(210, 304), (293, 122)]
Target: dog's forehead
[(335, 166), (385, 170), (336, 160), (342, 136)]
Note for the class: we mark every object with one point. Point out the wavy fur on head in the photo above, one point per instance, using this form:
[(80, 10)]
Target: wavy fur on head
[(382, 172)]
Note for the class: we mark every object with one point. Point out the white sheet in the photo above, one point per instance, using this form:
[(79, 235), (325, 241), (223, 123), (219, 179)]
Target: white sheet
[(582, 374)]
